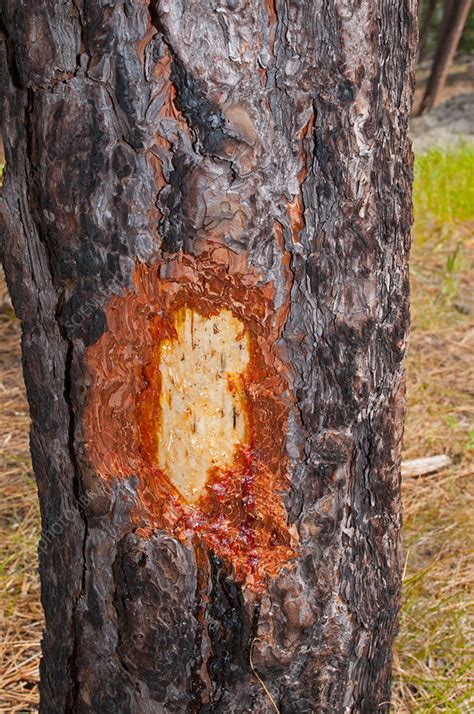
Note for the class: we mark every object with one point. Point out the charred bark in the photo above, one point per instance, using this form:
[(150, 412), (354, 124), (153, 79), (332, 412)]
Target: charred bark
[(220, 158), (450, 31)]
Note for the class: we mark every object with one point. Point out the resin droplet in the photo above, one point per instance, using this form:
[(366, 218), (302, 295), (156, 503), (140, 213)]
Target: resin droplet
[(203, 416)]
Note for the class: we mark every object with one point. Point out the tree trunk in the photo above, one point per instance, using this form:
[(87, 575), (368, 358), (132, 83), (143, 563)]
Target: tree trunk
[(425, 28), (206, 216), (450, 31)]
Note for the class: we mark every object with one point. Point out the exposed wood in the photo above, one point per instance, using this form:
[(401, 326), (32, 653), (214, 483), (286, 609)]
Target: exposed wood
[(450, 31), (426, 465), (215, 156)]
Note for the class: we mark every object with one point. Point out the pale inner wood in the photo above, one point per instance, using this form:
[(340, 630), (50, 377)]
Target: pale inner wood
[(203, 417)]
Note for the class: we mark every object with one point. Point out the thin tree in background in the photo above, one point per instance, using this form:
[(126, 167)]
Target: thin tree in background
[(450, 31), (425, 27)]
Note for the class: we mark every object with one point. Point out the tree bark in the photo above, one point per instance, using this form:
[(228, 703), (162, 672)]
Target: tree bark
[(231, 180), (450, 31)]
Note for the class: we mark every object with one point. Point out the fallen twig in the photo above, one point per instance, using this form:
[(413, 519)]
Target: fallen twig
[(425, 465)]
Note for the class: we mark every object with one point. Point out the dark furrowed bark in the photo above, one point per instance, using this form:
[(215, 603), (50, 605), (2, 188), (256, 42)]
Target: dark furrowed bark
[(275, 133)]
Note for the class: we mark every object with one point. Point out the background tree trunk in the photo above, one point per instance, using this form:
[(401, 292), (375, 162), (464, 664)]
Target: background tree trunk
[(425, 27), (243, 157), (450, 31)]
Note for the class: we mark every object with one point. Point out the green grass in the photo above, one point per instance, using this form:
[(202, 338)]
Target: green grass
[(444, 187), (441, 262)]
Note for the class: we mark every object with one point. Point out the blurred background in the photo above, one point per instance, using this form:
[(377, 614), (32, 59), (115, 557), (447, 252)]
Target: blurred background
[(433, 666)]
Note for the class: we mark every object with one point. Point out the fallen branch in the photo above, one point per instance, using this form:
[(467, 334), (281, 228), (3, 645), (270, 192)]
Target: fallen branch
[(425, 465)]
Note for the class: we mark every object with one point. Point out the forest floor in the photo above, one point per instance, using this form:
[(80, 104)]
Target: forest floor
[(432, 666), (454, 117), (433, 655), (460, 80)]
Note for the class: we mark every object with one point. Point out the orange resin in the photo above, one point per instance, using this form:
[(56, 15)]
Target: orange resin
[(231, 497)]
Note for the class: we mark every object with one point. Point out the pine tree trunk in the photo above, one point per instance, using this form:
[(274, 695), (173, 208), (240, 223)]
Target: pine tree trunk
[(450, 31), (206, 217)]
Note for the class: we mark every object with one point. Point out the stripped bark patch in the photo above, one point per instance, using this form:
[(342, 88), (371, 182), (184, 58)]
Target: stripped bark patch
[(188, 395), (202, 418)]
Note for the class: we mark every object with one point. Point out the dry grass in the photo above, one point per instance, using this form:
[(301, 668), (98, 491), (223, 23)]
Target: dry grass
[(20, 611), (432, 666), (434, 655)]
